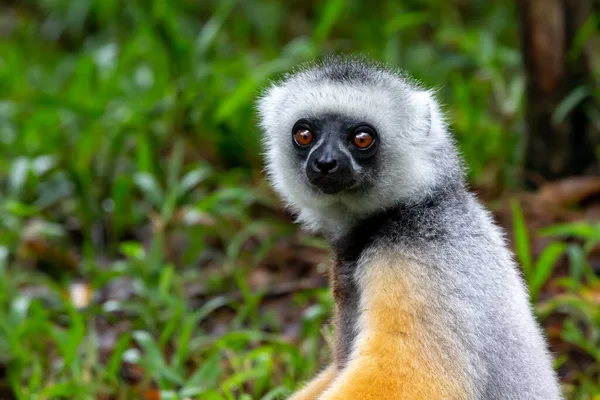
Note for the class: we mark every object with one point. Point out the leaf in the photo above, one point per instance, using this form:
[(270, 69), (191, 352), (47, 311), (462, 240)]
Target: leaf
[(18, 176), (583, 35), (577, 263), (3, 258), (543, 267), (521, 235), (406, 20), (121, 197), (174, 163), (568, 104), (150, 348), (327, 18), (153, 358), (165, 281), (584, 230), (133, 250), (148, 185), (144, 153), (43, 164), (247, 88), (236, 380), (63, 390), (278, 392), (35, 381), (192, 179), (211, 395), (211, 29), (114, 364), (69, 339), (183, 341), (244, 91), (206, 376)]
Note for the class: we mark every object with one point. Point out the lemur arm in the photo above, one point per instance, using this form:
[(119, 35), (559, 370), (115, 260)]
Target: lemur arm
[(385, 370), (380, 374), (397, 353), (313, 389)]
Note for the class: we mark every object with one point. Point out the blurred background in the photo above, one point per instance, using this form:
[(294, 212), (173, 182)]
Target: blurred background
[(142, 255)]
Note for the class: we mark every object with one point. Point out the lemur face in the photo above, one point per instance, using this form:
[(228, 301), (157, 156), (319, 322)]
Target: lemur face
[(334, 152), (344, 139)]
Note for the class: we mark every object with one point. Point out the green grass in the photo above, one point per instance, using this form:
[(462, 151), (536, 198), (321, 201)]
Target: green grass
[(131, 165)]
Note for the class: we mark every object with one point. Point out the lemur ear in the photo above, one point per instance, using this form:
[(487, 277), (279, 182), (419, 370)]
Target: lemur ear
[(422, 105), (430, 119)]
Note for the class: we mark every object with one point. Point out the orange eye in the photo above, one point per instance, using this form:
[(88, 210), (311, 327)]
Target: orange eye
[(362, 140), (303, 137)]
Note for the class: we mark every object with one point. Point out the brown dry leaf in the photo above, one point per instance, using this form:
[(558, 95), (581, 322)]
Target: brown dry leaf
[(569, 191), (131, 373), (552, 204), (49, 259), (152, 394)]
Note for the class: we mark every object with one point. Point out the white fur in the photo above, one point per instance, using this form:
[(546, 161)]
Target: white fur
[(407, 119)]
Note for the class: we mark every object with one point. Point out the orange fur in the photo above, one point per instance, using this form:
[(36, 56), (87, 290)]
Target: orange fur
[(318, 385), (396, 354)]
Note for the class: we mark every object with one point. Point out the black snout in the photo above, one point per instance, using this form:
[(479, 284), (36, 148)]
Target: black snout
[(326, 166), (329, 169)]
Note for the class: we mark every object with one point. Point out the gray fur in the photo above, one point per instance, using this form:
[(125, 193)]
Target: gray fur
[(347, 296), (419, 209)]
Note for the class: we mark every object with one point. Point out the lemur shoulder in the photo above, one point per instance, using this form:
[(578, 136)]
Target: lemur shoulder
[(429, 302)]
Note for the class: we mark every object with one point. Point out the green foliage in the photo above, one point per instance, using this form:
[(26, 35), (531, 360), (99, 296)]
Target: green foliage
[(536, 274), (131, 167), (577, 300)]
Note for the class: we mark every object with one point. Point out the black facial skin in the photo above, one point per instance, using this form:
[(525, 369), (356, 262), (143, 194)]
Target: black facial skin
[(328, 157)]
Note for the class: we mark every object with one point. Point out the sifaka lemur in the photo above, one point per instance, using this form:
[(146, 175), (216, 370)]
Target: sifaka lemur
[(429, 303)]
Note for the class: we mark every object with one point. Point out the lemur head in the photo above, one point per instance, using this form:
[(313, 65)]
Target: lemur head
[(347, 138)]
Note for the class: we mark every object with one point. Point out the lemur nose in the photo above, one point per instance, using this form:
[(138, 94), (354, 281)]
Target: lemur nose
[(326, 166)]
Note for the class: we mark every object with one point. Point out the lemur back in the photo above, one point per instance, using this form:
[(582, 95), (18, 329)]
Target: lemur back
[(429, 303), (443, 263)]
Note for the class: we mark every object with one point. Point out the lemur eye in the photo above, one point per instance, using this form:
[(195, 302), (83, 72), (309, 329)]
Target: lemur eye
[(362, 140), (303, 137)]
